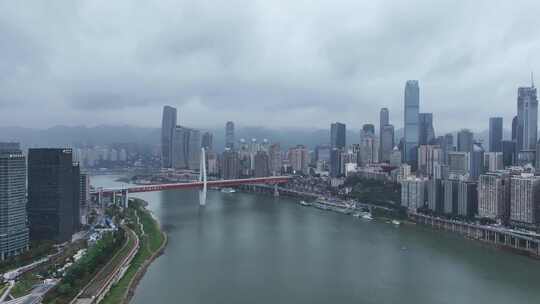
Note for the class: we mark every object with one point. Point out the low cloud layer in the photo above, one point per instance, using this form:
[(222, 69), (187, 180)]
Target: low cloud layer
[(268, 63)]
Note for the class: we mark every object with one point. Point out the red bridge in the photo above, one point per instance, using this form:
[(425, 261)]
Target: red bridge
[(273, 180)]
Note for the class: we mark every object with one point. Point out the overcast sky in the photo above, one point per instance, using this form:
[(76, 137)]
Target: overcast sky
[(263, 63)]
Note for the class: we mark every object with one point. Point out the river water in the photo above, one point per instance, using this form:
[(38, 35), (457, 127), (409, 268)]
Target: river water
[(248, 248)]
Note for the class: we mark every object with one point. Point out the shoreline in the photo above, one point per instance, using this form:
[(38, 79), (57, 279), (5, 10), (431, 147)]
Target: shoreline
[(141, 263)]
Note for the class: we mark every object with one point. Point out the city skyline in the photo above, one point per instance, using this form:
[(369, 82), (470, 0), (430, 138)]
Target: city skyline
[(212, 67)]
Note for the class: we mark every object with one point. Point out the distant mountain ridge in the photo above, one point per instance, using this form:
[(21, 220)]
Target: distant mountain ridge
[(61, 136)]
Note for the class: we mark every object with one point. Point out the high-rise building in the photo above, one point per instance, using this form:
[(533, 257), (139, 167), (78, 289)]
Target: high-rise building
[(525, 199), (395, 157), (386, 143), (275, 159), (384, 117), (76, 201), (447, 145), (338, 135), (465, 141), (262, 164), (322, 153), (477, 162), (367, 130), (186, 148), (435, 193), (467, 198), (428, 157), (13, 228), (168, 124), (426, 132), (493, 161), (509, 152), (230, 164), (335, 162), (495, 134), (527, 118), (299, 159), (413, 193), (411, 132), (229, 135), (458, 163), (494, 195), (207, 141), (53, 194), (369, 150), (451, 196)]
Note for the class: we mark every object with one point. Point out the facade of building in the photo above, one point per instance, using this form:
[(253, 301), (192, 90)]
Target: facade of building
[(335, 162), (275, 159), (458, 163), (509, 152), (168, 124), (477, 162), (495, 134), (229, 135), (262, 164), (425, 129), (451, 196), (230, 164), (525, 199), (413, 193), (53, 194), (338, 135), (14, 233), (435, 193), (411, 128), (467, 198), (494, 195), (527, 118), (299, 159), (493, 161), (465, 141), (386, 142), (395, 157), (207, 141)]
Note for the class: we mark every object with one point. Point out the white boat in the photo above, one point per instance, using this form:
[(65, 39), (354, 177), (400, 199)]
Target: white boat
[(367, 216), (228, 190), (357, 214), (396, 222), (303, 203)]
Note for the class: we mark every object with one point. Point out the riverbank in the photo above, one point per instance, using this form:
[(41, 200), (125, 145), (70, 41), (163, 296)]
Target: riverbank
[(153, 243)]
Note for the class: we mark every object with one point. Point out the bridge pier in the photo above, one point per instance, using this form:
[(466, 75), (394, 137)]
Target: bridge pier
[(202, 178), (276, 191)]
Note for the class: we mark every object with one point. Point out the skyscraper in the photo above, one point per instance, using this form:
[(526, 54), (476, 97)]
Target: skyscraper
[(53, 186), (384, 118), (186, 148), (494, 195), (368, 129), (207, 141), (275, 159), (337, 135), (262, 164), (465, 141), (411, 132), (495, 134), (168, 123), (386, 142), (525, 200), (230, 167), (229, 135), (527, 118), (426, 130), (13, 228)]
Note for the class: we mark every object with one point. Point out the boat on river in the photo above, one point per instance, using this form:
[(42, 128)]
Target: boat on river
[(228, 190)]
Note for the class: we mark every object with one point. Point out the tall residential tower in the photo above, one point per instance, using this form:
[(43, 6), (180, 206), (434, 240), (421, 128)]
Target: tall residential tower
[(411, 109), (168, 124)]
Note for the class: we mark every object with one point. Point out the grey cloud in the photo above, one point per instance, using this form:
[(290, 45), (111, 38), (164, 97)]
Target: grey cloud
[(260, 61)]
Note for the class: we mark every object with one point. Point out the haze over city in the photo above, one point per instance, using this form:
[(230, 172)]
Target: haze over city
[(262, 63)]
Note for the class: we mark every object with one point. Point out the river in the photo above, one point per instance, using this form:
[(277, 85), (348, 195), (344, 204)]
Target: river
[(248, 248)]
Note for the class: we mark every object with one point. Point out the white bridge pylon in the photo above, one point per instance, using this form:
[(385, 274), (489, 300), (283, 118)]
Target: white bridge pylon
[(202, 178)]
